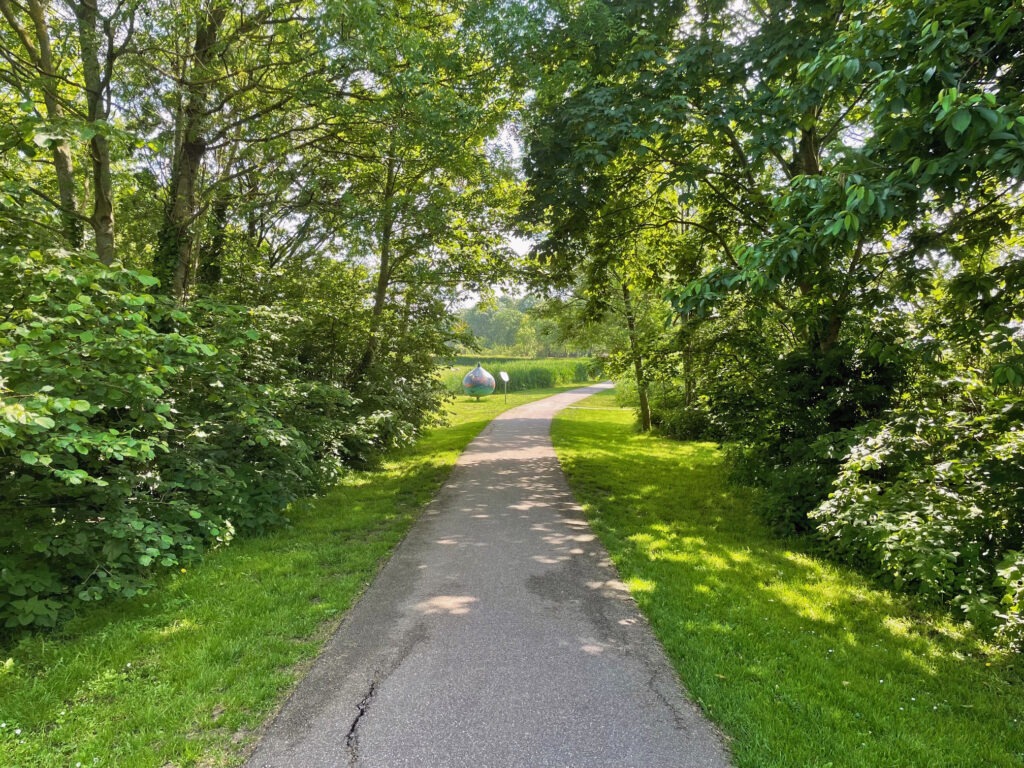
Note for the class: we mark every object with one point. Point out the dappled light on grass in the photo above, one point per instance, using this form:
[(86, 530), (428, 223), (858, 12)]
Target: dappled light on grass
[(183, 625), (637, 584), (801, 662)]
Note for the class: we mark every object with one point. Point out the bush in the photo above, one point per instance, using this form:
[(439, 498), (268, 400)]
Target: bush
[(133, 435), (674, 418), (1010, 614), (932, 500), (791, 425), (84, 415)]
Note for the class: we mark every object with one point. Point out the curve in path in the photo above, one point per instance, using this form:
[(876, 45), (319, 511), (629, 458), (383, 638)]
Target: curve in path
[(497, 636)]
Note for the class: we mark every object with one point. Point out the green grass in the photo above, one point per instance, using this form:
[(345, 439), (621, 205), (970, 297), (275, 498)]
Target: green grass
[(472, 360), (800, 662), (186, 675), (523, 374)]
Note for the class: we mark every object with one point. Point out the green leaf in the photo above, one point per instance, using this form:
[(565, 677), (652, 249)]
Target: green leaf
[(990, 115), (961, 121)]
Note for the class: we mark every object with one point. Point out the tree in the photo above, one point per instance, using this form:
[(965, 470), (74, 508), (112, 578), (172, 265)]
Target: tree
[(848, 175), (103, 38), (414, 182), (235, 108), (617, 265), (313, 185), (36, 62)]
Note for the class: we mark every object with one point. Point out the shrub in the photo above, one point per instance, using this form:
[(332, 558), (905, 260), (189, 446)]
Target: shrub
[(84, 415), (673, 417), (1010, 614), (792, 423), (932, 500), (133, 434)]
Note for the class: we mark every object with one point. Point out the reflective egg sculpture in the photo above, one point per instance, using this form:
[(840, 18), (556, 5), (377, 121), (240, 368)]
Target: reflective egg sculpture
[(478, 382)]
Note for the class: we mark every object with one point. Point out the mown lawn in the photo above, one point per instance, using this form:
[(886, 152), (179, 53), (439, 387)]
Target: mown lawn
[(186, 675), (801, 663)]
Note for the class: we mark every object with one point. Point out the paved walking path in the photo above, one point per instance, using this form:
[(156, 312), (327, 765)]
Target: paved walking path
[(497, 636)]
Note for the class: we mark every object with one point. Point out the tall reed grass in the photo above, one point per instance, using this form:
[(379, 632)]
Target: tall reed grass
[(522, 374)]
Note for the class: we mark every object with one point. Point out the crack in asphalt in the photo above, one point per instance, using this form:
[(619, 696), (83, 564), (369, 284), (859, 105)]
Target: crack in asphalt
[(352, 738), (413, 636), (498, 634)]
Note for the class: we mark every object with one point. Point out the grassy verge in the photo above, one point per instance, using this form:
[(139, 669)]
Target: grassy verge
[(186, 675), (800, 662)]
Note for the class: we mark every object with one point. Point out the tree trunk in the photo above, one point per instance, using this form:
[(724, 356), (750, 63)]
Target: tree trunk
[(638, 361), (689, 378), (103, 200), (380, 294), (96, 93), (40, 53), (805, 156), (211, 268), (830, 334), (806, 161), (71, 223), (175, 242)]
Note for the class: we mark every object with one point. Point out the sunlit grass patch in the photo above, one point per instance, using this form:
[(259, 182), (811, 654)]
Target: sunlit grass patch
[(186, 675), (800, 662)]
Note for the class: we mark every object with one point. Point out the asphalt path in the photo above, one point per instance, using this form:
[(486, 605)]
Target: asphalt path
[(497, 636)]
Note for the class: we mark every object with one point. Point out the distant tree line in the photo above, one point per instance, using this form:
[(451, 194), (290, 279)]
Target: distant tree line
[(522, 327)]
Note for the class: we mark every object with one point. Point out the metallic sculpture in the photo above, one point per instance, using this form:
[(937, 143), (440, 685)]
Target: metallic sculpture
[(478, 382)]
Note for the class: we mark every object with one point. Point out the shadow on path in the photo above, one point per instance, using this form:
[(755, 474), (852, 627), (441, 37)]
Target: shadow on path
[(497, 635)]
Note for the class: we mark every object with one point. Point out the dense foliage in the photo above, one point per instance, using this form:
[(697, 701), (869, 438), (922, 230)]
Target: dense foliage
[(931, 498), (517, 327), (137, 434), (231, 241), (827, 197)]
